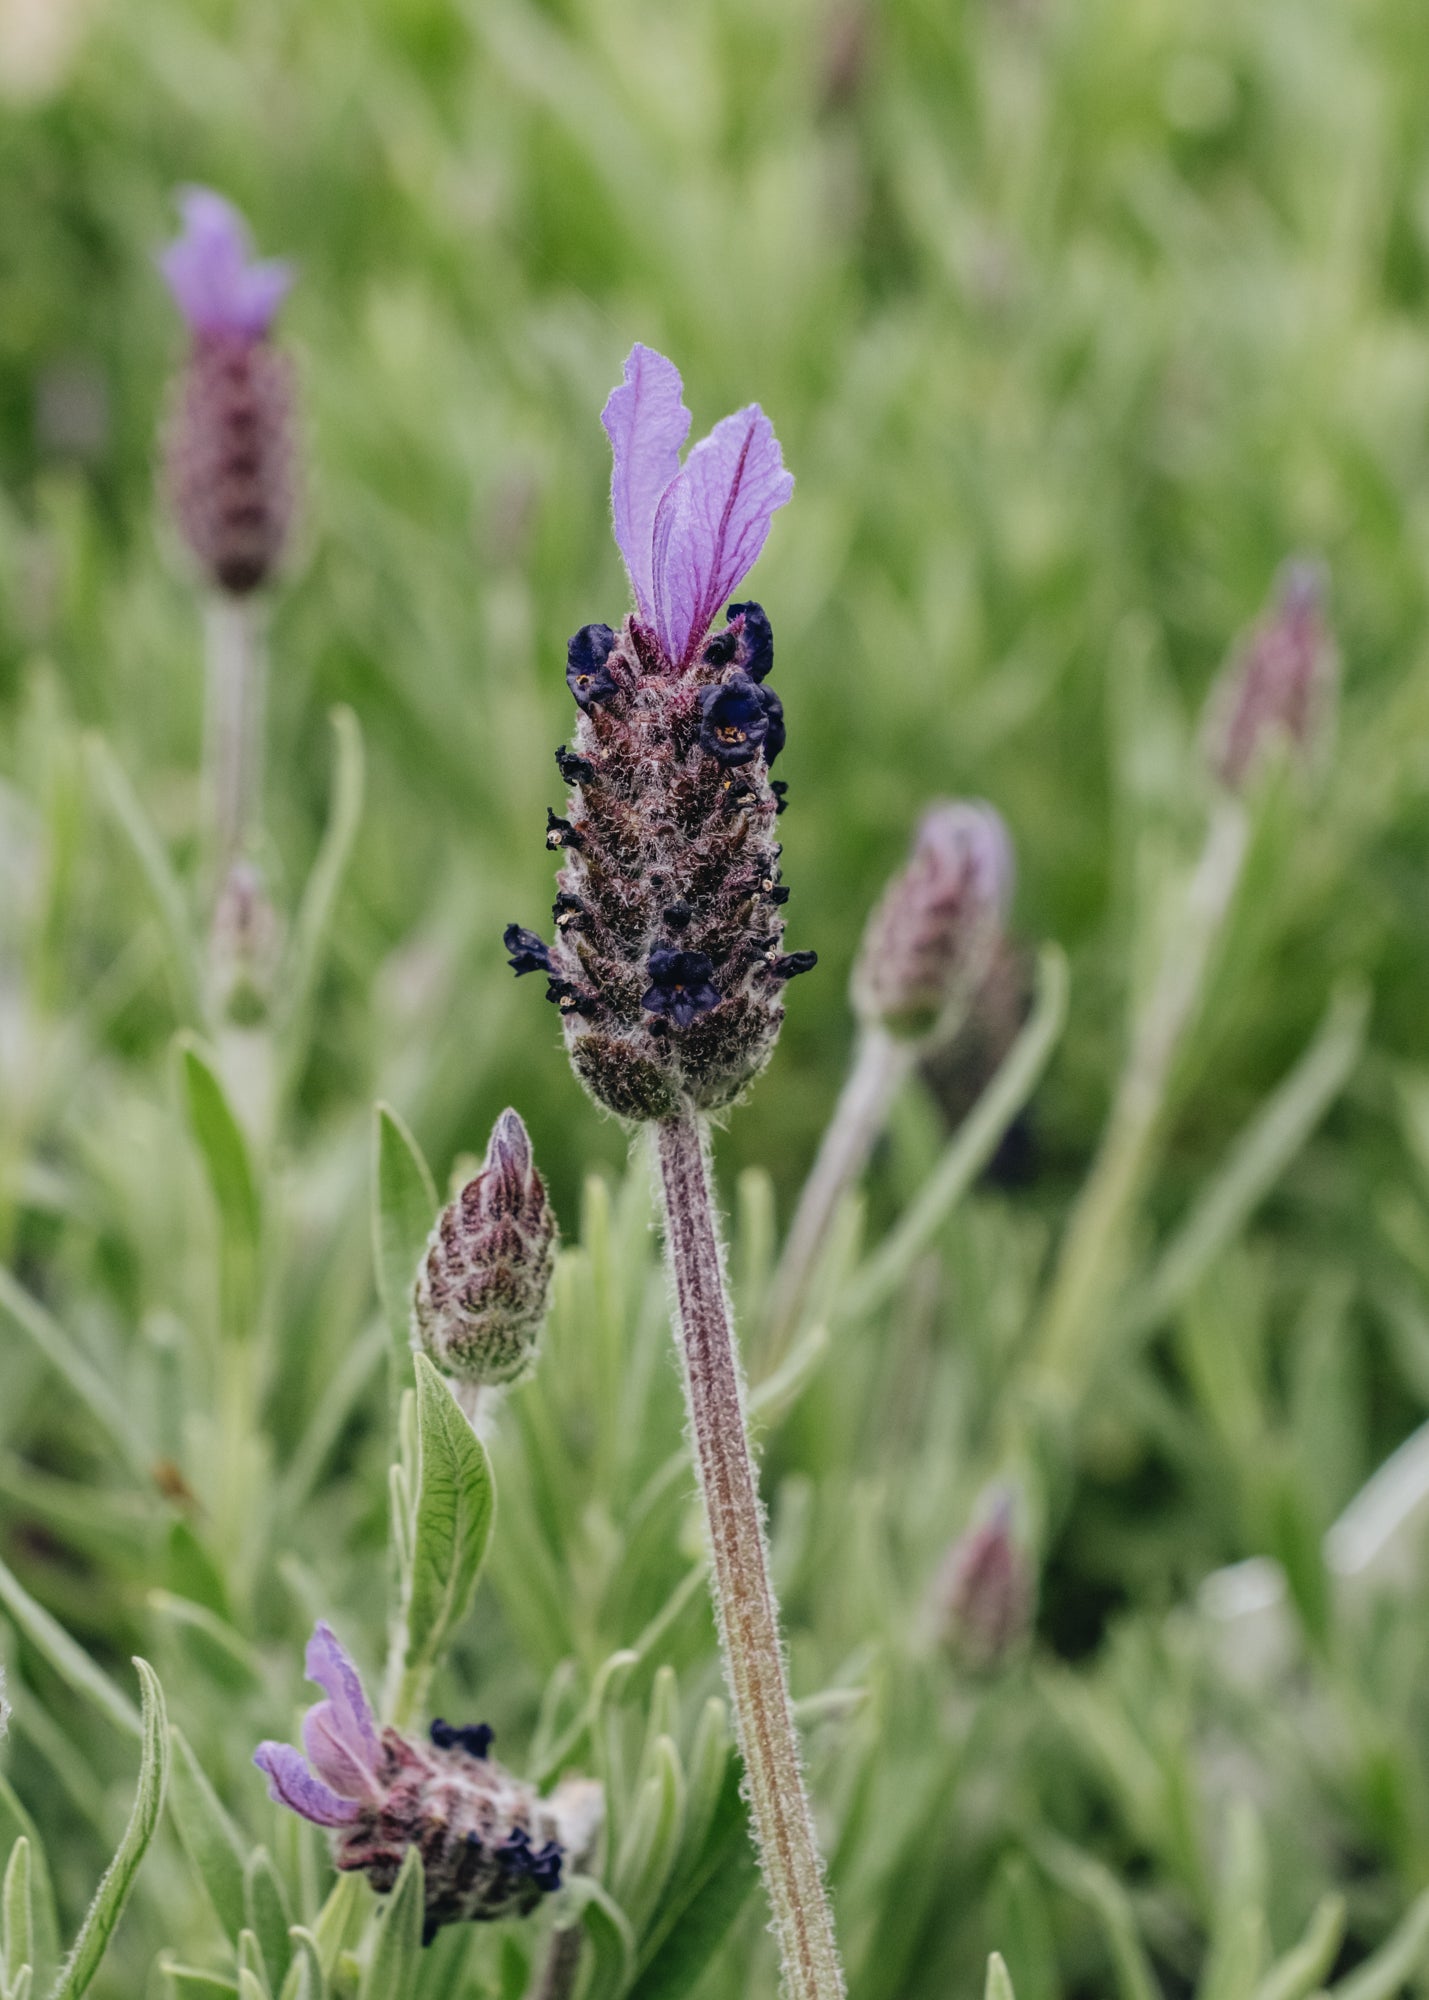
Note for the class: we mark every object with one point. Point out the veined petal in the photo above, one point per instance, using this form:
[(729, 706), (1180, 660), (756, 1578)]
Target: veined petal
[(292, 1784), (711, 524), (351, 1720), (646, 422), (334, 1757)]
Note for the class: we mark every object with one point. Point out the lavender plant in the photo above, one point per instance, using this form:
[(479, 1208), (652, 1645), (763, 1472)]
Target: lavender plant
[(669, 974)]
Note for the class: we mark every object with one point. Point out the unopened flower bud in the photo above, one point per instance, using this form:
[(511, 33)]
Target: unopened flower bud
[(1278, 684), (229, 445), (931, 937), (483, 1287), (985, 1595), (491, 1846)]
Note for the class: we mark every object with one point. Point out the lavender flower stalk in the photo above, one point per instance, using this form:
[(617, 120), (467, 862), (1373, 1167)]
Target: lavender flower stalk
[(229, 476), (490, 1845), (927, 945), (1278, 686), (669, 971)]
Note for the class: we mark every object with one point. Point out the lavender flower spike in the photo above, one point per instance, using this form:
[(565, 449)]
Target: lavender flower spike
[(217, 285), (689, 535)]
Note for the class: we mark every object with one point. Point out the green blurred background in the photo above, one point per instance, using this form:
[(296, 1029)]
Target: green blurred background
[(1073, 321)]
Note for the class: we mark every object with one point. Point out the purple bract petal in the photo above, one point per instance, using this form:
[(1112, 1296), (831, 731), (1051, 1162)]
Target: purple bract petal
[(333, 1757), (647, 423), (349, 1719), (711, 523), (292, 1784), (209, 269)]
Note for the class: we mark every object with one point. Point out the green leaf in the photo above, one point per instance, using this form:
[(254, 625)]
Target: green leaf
[(231, 1179), (188, 1983), (158, 872), (315, 913), (16, 1824), (1301, 1970), (971, 1147), (612, 1940), (1095, 1886), (218, 1651), (1404, 1953), (306, 1979), (404, 1207), (697, 1917), (266, 1905), (651, 1843), (251, 1967), (455, 1505), (24, 1983), (17, 1934), (70, 1662), (210, 1839), (108, 1905), (391, 1972), (999, 1985), (59, 1352)]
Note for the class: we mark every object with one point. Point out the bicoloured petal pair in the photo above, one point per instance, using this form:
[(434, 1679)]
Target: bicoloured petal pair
[(218, 285)]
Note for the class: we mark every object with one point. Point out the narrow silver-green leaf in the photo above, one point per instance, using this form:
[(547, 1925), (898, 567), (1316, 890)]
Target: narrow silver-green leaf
[(391, 1972), (224, 1657), (187, 1982), (251, 1965), (70, 1662), (1404, 1953), (84, 1381), (229, 1169), (16, 1824), (404, 1207), (455, 1504), (1303, 1967), (265, 1903), (319, 903), (999, 1982), (612, 1940), (306, 1979), (108, 1905), (158, 872), (209, 1837), (17, 1932)]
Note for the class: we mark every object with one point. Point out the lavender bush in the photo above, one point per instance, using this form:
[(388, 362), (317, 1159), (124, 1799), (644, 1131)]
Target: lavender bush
[(906, 1480)]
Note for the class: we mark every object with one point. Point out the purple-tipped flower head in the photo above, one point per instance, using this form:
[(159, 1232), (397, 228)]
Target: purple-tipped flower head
[(485, 1282), (666, 964), (1278, 687), (932, 936), (222, 291), (490, 1845), (985, 1594), (229, 448)]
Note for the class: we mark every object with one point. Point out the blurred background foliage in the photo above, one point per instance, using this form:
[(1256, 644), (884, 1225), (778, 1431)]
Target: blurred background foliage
[(1074, 321)]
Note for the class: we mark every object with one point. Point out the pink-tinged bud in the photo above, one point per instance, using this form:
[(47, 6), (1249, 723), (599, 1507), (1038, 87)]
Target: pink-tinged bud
[(485, 1282), (491, 1846), (1278, 685), (228, 450), (985, 1593), (931, 938)]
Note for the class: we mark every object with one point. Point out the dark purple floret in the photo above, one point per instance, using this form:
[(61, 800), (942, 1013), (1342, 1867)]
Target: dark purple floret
[(560, 832), (677, 917), (793, 963), (733, 720), (568, 910), (774, 737), (755, 649), (681, 986), (575, 770), (476, 1738), (587, 675), (528, 953), (780, 789), (570, 999)]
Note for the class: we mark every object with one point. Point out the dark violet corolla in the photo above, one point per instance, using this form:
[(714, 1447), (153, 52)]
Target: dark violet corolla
[(491, 1846), (668, 832)]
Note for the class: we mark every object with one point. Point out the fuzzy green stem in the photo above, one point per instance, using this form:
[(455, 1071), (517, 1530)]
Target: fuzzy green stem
[(1094, 1251), (745, 1608), (880, 1065), (237, 677)]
